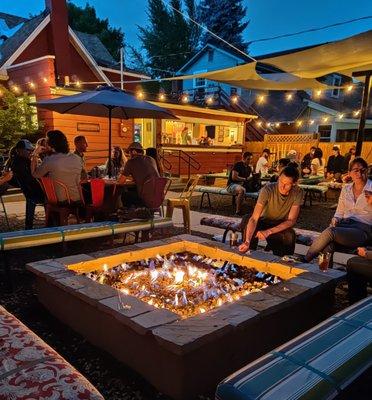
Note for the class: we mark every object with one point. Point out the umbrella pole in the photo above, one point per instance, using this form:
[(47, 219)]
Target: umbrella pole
[(109, 169)]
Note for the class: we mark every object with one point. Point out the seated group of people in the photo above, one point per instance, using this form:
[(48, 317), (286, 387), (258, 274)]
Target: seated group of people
[(278, 207), (52, 157)]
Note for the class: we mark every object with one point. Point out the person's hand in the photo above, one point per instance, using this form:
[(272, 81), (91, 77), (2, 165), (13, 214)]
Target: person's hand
[(334, 222), (7, 176), (38, 150), (362, 251), (244, 247)]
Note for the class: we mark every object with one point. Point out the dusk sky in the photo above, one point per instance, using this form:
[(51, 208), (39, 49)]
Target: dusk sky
[(267, 18)]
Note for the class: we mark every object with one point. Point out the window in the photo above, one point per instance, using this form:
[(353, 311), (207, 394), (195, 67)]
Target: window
[(210, 55), (325, 132), (199, 82), (336, 82)]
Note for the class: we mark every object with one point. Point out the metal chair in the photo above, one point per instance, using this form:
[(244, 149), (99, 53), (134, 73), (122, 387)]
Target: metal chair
[(183, 202)]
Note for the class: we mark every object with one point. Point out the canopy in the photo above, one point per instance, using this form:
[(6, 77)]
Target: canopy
[(302, 68)]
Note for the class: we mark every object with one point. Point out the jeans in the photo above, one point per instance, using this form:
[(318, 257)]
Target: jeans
[(30, 213), (348, 233), (281, 243), (359, 273)]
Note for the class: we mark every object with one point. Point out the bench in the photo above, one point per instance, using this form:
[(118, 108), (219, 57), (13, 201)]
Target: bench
[(311, 191), (319, 364), (222, 191), (30, 369), (16, 240)]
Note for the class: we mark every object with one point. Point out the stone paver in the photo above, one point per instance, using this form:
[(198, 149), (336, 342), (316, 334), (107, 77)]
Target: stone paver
[(145, 322), (261, 301)]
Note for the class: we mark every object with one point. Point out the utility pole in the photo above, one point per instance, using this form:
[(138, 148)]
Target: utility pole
[(122, 68), (364, 108)]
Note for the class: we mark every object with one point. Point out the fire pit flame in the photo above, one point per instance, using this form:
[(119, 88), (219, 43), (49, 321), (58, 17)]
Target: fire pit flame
[(184, 283)]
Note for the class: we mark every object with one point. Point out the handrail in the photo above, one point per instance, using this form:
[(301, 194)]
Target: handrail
[(182, 156)]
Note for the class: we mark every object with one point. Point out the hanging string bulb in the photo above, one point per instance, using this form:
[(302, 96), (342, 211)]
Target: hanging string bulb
[(259, 123), (161, 96), (140, 95), (299, 123), (318, 93), (261, 99), (340, 116), (234, 99), (349, 88), (325, 119), (210, 100), (356, 113), (289, 96), (311, 122), (277, 124), (185, 98)]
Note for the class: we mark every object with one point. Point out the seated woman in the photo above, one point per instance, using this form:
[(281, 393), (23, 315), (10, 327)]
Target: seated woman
[(359, 269), (351, 225), (118, 161), (318, 163)]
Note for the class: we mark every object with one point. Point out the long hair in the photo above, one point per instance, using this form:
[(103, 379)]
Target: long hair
[(58, 142), (319, 155)]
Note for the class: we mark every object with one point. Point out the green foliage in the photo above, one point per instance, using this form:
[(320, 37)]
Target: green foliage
[(85, 20), (170, 39), (17, 118)]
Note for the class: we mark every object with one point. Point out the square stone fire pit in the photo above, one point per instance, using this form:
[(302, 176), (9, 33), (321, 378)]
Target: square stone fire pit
[(184, 355)]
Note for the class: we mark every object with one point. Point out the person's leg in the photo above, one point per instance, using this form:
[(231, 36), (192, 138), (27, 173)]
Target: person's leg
[(30, 213), (359, 272), (238, 191), (282, 243), (348, 237)]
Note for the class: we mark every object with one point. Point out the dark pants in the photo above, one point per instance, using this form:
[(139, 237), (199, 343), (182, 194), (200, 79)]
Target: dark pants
[(359, 273), (348, 234), (281, 244)]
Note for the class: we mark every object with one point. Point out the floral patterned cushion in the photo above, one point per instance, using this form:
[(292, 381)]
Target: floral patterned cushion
[(30, 369), (222, 222)]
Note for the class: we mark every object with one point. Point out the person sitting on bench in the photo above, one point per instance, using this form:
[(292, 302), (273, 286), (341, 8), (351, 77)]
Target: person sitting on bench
[(274, 215), (359, 269), (351, 225), (238, 176)]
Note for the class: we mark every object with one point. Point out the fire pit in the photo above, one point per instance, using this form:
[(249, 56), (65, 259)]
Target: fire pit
[(184, 312)]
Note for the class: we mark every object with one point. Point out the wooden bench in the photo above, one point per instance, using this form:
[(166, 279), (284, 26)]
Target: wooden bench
[(319, 364), (221, 191), (62, 234), (30, 369)]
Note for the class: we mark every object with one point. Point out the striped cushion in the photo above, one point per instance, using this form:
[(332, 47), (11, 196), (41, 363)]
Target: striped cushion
[(316, 365), (222, 191)]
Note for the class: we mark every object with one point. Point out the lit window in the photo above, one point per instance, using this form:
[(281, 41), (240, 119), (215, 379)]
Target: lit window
[(336, 82), (325, 132)]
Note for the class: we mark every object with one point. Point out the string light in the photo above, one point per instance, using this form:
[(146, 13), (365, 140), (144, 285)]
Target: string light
[(325, 119), (268, 124), (299, 123), (318, 93), (311, 122), (16, 88), (32, 85), (277, 125), (234, 99), (45, 80), (259, 123), (289, 96), (161, 96), (261, 99), (356, 113), (140, 95), (349, 88), (78, 83), (185, 98), (340, 116), (210, 100)]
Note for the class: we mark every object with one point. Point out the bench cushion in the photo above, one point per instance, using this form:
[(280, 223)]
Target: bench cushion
[(222, 191), (314, 188), (222, 222), (316, 365), (43, 236), (30, 369)]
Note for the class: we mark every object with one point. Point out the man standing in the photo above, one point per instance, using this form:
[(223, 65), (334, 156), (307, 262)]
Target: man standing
[(262, 166), (336, 164), (306, 162), (275, 214), (81, 146), (141, 168), (238, 176)]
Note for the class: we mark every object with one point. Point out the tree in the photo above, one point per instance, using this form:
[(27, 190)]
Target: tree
[(86, 20), (225, 19), (17, 118), (170, 39)]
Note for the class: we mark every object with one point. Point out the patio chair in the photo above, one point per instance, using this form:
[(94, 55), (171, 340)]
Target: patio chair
[(54, 207), (183, 202), (97, 188)]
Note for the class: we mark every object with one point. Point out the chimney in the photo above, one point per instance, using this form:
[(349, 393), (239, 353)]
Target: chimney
[(60, 37)]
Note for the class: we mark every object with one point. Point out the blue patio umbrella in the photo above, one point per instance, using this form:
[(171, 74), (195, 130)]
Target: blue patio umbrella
[(105, 101)]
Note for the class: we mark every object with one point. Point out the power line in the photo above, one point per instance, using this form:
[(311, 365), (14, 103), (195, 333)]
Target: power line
[(209, 31), (310, 30)]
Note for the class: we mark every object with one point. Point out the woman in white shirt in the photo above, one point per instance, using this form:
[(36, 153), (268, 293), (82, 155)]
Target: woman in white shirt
[(318, 163), (351, 225)]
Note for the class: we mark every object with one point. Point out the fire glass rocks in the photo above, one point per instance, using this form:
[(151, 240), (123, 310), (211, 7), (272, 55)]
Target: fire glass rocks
[(185, 358)]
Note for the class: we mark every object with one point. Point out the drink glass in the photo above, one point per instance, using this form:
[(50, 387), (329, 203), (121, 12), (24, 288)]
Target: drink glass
[(323, 261), (233, 239)]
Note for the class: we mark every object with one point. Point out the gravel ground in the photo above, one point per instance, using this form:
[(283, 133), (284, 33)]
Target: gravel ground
[(112, 379)]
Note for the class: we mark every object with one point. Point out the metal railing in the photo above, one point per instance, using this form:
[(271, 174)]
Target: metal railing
[(179, 156)]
